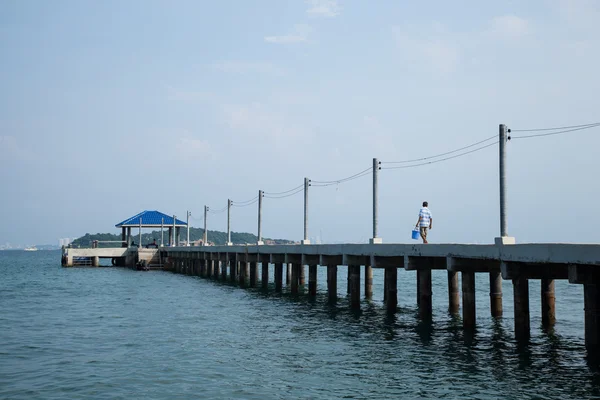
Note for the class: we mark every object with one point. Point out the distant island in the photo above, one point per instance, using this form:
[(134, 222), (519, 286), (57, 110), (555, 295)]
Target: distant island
[(213, 237)]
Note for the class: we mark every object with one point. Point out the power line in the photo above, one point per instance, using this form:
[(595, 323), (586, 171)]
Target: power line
[(349, 178), (364, 173), (442, 154), (246, 204), (551, 133), (557, 128), (300, 189), (239, 203), (220, 210), (281, 193), (443, 159)]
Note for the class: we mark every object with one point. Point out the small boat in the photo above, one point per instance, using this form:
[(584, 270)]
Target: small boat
[(31, 248)]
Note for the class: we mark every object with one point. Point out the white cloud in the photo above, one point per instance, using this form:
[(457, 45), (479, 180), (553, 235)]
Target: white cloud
[(299, 35), (243, 67), (323, 8), (190, 148), (436, 52), (510, 26), (11, 149)]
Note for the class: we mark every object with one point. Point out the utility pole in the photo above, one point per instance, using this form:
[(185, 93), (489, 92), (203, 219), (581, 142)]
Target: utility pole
[(162, 223), (187, 222), (260, 197), (229, 222), (376, 167), (502, 147), (205, 236), (306, 185)]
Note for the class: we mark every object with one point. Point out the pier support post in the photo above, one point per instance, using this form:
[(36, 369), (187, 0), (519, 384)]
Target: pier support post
[(265, 275), (243, 273), (233, 268), (253, 274), (453, 294), (354, 286), (391, 288), (95, 261), (548, 303), (202, 268), (468, 290), (521, 300), (209, 268), (496, 294), (332, 271), (591, 299), (216, 269), (295, 277), (368, 282), (348, 283), (302, 275), (312, 280), (418, 288), (224, 269), (288, 274), (198, 268), (425, 304), (278, 277)]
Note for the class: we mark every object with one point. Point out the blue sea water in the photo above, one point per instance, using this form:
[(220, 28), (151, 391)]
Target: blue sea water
[(112, 333)]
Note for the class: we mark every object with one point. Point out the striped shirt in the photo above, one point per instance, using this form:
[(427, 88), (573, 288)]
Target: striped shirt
[(425, 216)]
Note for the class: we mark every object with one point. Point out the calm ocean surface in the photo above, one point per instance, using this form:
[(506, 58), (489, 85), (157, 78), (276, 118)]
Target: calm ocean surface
[(110, 333)]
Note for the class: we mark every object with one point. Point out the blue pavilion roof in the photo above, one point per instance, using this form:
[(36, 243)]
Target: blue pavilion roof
[(150, 219)]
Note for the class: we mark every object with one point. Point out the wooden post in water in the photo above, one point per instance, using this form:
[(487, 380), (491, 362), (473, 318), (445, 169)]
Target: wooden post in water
[(295, 277), (548, 303), (496, 294), (521, 301), (591, 298), (425, 303), (453, 294), (278, 277), (265, 275), (332, 271), (468, 290), (253, 274), (368, 282), (354, 286), (312, 279), (391, 287)]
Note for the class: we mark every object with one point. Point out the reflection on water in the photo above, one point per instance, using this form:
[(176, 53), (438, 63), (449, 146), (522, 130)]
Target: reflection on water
[(113, 333)]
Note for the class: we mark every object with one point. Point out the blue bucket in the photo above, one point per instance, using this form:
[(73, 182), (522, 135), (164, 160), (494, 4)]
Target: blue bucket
[(415, 234)]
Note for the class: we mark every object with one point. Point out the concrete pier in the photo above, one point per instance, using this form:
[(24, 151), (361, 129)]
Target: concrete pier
[(453, 293), (253, 274), (521, 301), (312, 279), (468, 290), (278, 272), (265, 275), (391, 287), (548, 302), (332, 271), (368, 282), (425, 295), (295, 278), (302, 275), (288, 274), (496, 294), (354, 286)]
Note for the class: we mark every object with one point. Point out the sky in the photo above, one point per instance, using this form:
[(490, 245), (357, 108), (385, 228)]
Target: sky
[(108, 108)]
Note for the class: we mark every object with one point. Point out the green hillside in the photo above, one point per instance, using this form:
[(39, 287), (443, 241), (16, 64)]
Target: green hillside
[(215, 237)]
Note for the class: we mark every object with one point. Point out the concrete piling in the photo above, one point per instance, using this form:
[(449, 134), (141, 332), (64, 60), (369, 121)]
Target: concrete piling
[(591, 297), (453, 294), (418, 287), (243, 273), (295, 277), (391, 286), (468, 291), (288, 274), (278, 277), (312, 280), (354, 286), (496, 294), (265, 275), (301, 275), (253, 274), (348, 284), (521, 302), (548, 302), (425, 296), (368, 282), (233, 269), (332, 271)]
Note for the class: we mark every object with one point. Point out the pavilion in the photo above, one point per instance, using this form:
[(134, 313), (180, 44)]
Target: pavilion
[(153, 220)]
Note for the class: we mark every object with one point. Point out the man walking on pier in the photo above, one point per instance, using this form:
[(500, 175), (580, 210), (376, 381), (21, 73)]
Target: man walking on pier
[(425, 221)]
